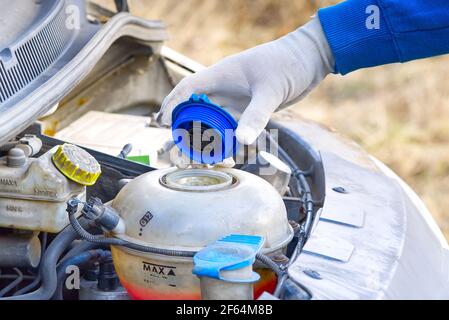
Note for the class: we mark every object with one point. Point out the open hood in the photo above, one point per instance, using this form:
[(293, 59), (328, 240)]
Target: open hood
[(47, 47)]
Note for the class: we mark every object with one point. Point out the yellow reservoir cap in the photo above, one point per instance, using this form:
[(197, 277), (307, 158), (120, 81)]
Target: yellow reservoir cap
[(77, 164)]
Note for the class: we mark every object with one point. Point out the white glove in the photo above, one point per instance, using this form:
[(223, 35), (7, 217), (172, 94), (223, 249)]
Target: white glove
[(257, 82)]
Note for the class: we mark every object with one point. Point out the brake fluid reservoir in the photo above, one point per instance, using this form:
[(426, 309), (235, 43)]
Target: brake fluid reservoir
[(34, 192), (188, 210)]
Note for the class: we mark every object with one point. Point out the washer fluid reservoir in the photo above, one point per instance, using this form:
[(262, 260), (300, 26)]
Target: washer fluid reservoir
[(188, 210)]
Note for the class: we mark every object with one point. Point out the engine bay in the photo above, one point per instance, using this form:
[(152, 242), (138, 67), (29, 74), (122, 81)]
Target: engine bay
[(94, 207), (166, 214), (97, 201)]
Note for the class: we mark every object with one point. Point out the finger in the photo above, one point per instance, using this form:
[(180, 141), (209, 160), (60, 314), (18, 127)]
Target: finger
[(179, 159), (256, 116), (221, 83), (180, 94), (199, 83)]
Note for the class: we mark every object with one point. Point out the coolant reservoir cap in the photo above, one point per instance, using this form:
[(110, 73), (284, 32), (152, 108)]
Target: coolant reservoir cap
[(199, 114), (77, 164), (228, 254)]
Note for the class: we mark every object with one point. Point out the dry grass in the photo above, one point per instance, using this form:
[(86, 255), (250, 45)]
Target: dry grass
[(399, 113)]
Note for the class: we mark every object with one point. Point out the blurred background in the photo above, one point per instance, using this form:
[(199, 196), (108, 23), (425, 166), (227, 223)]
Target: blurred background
[(398, 113)]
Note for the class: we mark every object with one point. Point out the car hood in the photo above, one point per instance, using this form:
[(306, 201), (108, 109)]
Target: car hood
[(47, 47)]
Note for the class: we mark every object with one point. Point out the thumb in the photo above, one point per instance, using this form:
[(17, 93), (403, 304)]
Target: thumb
[(256, 116)]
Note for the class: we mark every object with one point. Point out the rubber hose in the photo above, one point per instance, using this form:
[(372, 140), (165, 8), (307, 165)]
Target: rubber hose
[(8, 146), (280, 285), (81, 260), (176, 253), (120, 242), (80, 248), (36, 281), (14, 276), (13, 284), (305, 230), (266, 260), (48, 266)]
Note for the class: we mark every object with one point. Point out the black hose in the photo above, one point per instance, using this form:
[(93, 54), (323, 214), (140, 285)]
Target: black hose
[(266, 260), (14, 276), (306, 228), (48, 266), (80, 248), (280, 285), (176, 253), (8, 146), (35, 282), (82, 260), (98, 239), (120, 242), (13, 284), (308, 205), (300, 177)]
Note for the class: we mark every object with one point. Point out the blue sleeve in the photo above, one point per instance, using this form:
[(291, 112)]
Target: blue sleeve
[(405, 30)]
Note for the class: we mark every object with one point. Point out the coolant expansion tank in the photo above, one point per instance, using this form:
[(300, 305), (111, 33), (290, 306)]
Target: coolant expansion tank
[(187, 210)]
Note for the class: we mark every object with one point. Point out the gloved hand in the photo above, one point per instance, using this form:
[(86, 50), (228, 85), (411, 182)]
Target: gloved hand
[(257, 82)]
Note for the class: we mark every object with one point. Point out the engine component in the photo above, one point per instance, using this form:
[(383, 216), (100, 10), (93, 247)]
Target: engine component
[(89, 291), (127, 148), (30, 144), (94, 241), (102, 240), (198, 125), (272, 169), (83, 261), (103, 216), (107, 278), (110, 132), (76, 164), (47, 268), (186, 210), (102, 285), (225, 268), (33, 192), (16, 158), (21, 251)]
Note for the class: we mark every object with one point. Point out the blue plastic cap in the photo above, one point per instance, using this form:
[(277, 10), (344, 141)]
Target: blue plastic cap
[(199, 114), (230, 253)]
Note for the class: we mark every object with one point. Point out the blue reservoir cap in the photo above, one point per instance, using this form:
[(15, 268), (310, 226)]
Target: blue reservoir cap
[(192, 121), (230, 253)]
